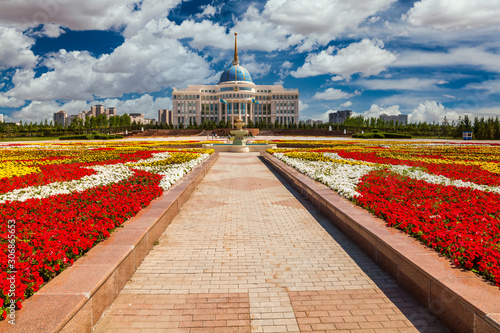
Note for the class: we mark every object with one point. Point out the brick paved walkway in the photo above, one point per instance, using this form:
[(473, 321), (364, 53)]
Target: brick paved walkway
[(248, 254)]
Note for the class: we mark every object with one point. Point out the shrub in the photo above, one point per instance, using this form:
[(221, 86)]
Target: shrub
[(397, 136), (378, 135), (74, 137), (91, 137)]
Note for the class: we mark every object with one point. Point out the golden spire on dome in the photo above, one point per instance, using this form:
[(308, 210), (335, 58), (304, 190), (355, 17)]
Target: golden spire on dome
[(235, 61)]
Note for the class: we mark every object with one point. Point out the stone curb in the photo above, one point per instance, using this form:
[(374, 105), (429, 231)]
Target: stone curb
[(75, 300), (462, 300)]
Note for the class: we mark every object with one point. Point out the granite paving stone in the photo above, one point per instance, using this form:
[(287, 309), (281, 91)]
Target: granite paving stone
[(247, 253)]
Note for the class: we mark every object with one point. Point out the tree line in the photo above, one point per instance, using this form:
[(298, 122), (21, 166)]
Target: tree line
[(482, 128)]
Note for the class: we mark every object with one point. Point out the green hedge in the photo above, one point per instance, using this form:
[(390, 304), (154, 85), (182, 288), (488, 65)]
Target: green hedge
[(397, 136), (76, 137), (91, 137), (379, 135)]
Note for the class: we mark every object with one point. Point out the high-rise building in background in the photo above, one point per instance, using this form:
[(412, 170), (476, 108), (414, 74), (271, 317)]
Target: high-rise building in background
[(165, 116), (1, 118), (97, 110), (311, 122), (235, 96), (339, 117), (400, 118), (111, 111), (138, 118), (73, 117), (60, 118)]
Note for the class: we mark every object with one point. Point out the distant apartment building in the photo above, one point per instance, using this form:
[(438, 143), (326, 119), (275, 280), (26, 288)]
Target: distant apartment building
[(165, 116), (339, 117), (97, 110), (111, 111), (60, 118), (138, 118), (313, 122), (400, 118), (1, 118), (73, 117)]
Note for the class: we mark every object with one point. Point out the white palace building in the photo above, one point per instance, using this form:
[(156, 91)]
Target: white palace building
[(235, 96)]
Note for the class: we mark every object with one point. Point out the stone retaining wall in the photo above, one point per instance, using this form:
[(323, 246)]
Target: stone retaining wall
[(75, 300), (462, 300)]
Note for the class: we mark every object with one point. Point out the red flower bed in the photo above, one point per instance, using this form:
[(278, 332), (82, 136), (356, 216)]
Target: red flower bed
[(465, 173), (66, 172), (461, 223), (51, 233), (49, 174)]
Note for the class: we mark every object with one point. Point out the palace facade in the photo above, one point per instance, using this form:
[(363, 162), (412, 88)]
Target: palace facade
[(235, 96)]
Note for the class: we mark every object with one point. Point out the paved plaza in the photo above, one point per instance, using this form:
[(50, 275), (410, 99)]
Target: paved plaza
[(247, 253)]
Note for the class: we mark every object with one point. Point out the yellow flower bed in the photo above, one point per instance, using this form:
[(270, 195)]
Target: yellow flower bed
[(455, 155), (310, 156), (11, 169), (483, 156), (174, 158), (21, 161)]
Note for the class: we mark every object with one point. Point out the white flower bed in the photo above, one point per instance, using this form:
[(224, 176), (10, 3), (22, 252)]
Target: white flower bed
[(107, 175), (156, 157), (418, 174), (172, 173), (344, 178)]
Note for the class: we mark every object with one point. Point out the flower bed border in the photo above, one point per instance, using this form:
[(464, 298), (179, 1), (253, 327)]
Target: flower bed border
[(463, 301), (75, 300)]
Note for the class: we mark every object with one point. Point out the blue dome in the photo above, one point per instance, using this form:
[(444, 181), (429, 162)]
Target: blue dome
[(235, 73)]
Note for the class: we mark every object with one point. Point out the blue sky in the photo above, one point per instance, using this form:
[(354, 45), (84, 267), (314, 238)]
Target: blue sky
[(427, 59)]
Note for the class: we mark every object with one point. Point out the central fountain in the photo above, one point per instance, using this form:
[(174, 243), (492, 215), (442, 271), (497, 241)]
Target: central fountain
[(239, 144), (239, 134)]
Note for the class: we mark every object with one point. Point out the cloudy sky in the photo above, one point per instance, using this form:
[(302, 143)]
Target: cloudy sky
[(427, 58)]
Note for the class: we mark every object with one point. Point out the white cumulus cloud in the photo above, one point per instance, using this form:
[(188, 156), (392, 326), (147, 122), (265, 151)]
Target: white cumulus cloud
[(322, 20), (201, 34), (454, 14), (432, 111), (146, 62), (146, 104), (256, 69), (208, 11), (39, 111), (10, 101), (366, 57), (491, 86), (402, 84), (466, 56), (332, 94), (15, 49), (84, 15), (76, 15), (375, 111), (284, 24), (303, 106)]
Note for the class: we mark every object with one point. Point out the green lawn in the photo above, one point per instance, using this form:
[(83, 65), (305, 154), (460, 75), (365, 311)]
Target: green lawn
[(435, 137), (32, 138)]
